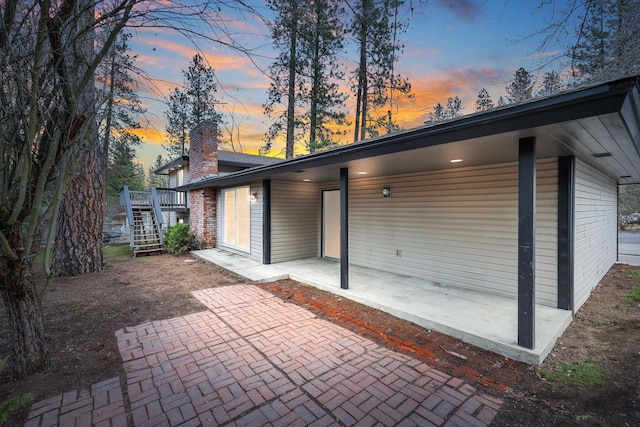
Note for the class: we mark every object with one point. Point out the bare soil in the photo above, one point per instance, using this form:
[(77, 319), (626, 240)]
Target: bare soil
[(84, 312)]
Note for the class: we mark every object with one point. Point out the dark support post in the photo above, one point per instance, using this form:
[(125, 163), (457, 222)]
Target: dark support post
[(566, 203), (266, 221), (618, 216), (526, 242), (344, 228)]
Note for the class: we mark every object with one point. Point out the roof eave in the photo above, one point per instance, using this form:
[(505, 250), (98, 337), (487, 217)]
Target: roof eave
[(180, 161), (586, 102)]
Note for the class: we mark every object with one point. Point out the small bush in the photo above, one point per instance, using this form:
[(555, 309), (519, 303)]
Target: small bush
[(14, 403), (179, 239), (581, 374)]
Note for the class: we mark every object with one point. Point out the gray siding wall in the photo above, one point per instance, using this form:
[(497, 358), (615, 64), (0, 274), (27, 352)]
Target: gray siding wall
[(295, 219), (256, 224), (595, 229), (456, 227), (173, 177)]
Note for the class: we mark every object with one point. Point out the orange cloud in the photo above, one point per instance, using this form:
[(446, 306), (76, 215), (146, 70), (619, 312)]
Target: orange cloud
[(150, 135)]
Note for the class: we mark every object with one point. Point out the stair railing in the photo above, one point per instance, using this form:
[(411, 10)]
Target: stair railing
[(125, 202), (157, 210)]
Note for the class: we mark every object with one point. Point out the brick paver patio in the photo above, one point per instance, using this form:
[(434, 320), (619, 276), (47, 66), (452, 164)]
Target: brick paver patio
[(252, 359)]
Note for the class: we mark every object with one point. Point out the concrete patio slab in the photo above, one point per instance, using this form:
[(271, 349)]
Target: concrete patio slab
[(487, 321)]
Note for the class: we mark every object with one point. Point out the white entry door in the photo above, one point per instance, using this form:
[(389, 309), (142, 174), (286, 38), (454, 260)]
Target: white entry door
[(331, 224)]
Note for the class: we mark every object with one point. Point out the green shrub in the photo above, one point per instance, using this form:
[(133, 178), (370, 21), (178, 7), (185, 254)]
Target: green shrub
[(179, 239), (15, 402)]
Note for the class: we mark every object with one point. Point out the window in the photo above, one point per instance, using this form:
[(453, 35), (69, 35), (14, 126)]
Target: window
[(236, 220)]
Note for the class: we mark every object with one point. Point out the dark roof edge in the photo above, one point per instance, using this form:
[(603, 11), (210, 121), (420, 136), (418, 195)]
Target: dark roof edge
[(172, 163), (586, 101)]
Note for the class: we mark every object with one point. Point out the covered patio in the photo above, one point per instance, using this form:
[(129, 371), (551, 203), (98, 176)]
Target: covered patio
[(487, 321)]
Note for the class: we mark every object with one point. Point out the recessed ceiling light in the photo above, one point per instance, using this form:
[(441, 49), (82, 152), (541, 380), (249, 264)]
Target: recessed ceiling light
[(306, 180), (455, 161), (362, 173)]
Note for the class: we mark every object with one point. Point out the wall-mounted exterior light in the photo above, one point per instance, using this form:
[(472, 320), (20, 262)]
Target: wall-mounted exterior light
[(254, 197), (386, 192)]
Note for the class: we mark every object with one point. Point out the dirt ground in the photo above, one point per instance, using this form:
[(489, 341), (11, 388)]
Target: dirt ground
[(84, 312)]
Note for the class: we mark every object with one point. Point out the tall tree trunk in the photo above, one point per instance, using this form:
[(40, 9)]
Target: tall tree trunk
[(313, 112), (361, 104), (78, 245), (24, 311), (291, 121)]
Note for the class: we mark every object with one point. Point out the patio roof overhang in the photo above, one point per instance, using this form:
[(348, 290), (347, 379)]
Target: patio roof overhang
[(599, 125)]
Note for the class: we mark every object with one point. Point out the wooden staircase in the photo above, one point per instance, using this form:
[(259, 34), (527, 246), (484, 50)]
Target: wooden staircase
[(144, 216), (146, 232)]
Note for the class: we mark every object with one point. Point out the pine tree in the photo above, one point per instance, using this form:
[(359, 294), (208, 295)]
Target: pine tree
[(454, 107), (452, 110), (177, 126), (326, 101), (158, 181), (484, 101), (122, 167), (551, 83), (375, 26), (120, 106), (521, 88), (607, 45), (190, 105), (291, 18), (118, 93), (304, 96)]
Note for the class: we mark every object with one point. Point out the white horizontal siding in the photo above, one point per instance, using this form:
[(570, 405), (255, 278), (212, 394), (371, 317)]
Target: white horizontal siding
[(457, 227), (295, 218), (187, 176), (595, 229)]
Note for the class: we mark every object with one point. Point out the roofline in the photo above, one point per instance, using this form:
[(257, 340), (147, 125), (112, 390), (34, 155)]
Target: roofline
[(594, 100), (172, 163)]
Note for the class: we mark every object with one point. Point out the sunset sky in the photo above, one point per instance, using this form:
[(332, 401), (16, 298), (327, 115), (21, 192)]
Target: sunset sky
[(452, 47)]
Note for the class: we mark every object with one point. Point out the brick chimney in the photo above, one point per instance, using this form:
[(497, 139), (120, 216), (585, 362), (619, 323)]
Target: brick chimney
[(203, 162), (203, 151)]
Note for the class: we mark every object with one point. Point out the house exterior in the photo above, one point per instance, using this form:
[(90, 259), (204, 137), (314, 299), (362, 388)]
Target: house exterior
[(519, 201), (175, 203)]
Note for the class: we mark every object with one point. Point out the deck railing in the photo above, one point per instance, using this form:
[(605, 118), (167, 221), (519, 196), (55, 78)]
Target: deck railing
[(125, 205), (170, 198), (158, 213)]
